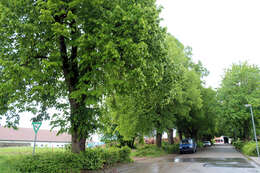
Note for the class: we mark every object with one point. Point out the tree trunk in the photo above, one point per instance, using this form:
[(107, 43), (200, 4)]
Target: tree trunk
[(78, 141), (159, 139), (180, 135), (170, 136), (77, 144)]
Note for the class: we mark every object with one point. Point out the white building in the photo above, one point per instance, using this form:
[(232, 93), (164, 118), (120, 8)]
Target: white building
[(25, 137)]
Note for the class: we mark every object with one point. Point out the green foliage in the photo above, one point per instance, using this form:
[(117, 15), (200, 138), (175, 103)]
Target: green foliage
[(238, 144), (199, 144), (5, 165), (68, 55), (124, 154), (91, 159), (249, 149), (239, 87), (171, 148), (148, 151), (20, 159)]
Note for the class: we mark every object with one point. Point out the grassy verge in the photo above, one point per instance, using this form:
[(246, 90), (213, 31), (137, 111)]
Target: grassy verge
[(247, 148)]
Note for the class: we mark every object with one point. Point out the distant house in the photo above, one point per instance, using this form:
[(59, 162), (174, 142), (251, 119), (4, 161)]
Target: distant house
[(25, 137)]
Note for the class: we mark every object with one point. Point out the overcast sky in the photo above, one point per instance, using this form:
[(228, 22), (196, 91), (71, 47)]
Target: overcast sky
[(220, 32)]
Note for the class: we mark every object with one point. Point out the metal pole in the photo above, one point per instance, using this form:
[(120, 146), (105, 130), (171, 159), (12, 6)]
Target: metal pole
[(35, 137), (254, 130)]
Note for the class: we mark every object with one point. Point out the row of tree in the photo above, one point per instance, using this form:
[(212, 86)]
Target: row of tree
[(101, 64), (96, 57), (178, 100)]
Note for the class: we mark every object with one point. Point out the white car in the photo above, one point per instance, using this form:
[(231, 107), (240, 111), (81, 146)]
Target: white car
[(206, 143)]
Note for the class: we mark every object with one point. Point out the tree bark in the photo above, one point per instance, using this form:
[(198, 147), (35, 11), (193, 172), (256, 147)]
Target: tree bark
[(77, 144), (72, 76), (180, 135), (159, 139), (170, 136)]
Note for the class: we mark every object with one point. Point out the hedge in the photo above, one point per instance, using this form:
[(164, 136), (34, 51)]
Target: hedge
[(238, 144), (171, 148), (61, 162)]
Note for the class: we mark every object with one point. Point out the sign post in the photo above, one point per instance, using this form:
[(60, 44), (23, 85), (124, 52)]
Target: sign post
[(36, 127)]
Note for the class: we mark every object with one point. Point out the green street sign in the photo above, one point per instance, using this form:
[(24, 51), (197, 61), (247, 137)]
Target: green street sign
[(36, 126)]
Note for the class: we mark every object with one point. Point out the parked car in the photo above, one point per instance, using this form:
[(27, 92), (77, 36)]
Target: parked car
[(188, 145), (206, 143)]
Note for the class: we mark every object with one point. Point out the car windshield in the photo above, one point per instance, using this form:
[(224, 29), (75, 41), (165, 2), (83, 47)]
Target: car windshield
[(186, 141)]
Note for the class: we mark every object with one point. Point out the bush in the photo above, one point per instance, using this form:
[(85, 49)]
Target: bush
[(124, 154), (249, 149), (238, 144), (59, 162), (199, 144), (49, 162), (170, 149), (149, 150)]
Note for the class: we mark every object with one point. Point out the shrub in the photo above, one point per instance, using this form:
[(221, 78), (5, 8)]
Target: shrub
[(59, 162), (149, 150), (249, 149), (110, 155), (170, 149), (199, 144), (238, 144), (124, 154), (49, 163)]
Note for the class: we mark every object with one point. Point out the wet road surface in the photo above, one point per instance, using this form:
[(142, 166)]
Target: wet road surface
[(215, 159)]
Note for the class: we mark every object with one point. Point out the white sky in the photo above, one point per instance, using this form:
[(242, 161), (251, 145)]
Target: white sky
[(220, 32)]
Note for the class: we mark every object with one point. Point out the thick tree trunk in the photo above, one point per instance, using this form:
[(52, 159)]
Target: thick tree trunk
[(77, 144), (170, 136), (159, 139)]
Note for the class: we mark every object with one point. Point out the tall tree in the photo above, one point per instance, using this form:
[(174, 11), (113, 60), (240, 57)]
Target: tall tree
[(239, 86), (70, 54)]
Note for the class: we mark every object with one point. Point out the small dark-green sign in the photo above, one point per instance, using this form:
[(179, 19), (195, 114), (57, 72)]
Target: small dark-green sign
[(36, 126)]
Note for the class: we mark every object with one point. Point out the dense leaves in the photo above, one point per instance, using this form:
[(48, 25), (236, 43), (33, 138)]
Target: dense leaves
[(240, 86), (91, 159), (69, 55)]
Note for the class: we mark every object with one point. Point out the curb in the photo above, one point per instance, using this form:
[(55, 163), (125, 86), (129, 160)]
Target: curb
[(246, 156), (249, 158)]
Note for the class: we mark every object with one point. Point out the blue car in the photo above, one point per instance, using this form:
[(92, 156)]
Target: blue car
[(188, 145)]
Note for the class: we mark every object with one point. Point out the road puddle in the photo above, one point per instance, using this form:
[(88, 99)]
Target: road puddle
[(218, 162)]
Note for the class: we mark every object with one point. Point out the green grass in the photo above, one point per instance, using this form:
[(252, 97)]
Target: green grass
[(8, 154), (5, 165), (26, 150), (249, 148), (148, 151)]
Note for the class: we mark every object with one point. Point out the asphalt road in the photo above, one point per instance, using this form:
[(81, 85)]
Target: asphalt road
[(215, 159)]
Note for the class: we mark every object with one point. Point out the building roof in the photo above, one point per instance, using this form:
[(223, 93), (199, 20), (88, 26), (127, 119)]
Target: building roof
[(27, 134)]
